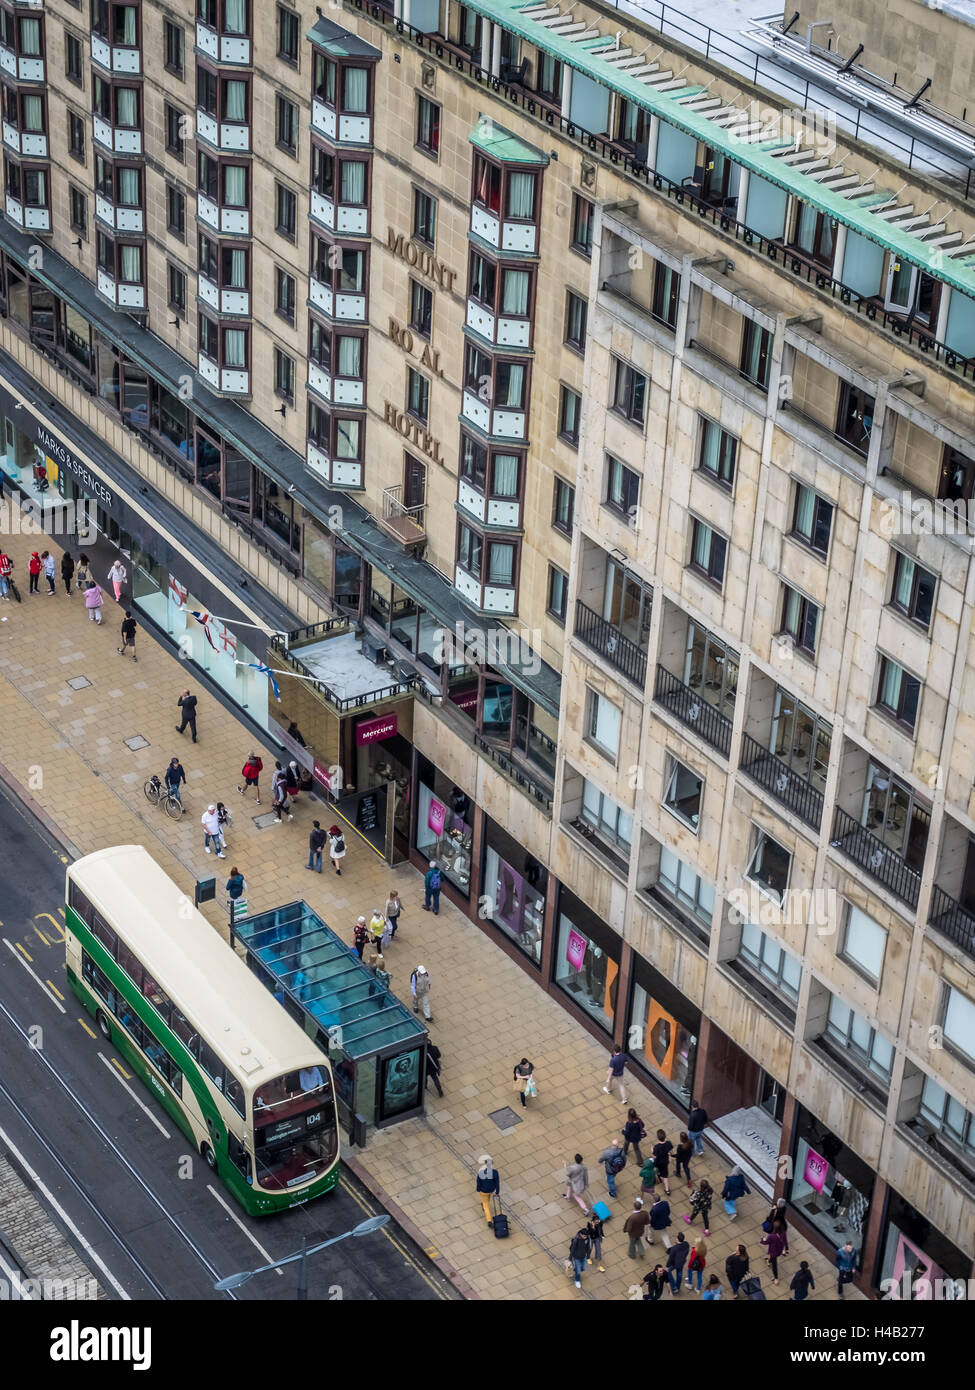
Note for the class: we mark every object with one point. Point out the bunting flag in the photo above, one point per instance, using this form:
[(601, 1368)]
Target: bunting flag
[(204, 620), (257, 666)]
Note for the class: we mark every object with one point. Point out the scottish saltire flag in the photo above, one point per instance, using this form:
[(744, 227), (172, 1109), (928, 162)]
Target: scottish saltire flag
[(204, 620), (256, 665)]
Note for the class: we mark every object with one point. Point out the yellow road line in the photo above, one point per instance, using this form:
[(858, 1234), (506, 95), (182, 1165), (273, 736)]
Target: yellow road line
[(116, 1063), (88, 1030), (370, 1211), (57, 991), (22, 951), (53, 921), (37, 932)]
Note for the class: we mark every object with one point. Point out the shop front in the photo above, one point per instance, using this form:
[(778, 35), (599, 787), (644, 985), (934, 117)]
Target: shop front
[(663, 1030), (586, 961), (917, 1263), (444, 827), (514, 888), (831, 1186)]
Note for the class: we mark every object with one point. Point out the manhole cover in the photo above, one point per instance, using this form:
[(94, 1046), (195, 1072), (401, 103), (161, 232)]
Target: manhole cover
[(135, 742), (505, 1118), (265, 819), (79, 682)]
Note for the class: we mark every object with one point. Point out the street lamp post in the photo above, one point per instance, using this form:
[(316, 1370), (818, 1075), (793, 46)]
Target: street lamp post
[(300, 1257)]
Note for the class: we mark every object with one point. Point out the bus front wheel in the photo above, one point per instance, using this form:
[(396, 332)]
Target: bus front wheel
[(209, 1156), (104, 1025)]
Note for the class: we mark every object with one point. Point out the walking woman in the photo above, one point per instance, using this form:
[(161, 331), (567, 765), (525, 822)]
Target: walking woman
[(578, 1180), (736, 1267), (236, 885), (695, 1264), (661, 1158), (735, 1186), (648, 1181), (775, 1243), (523, 1076), (682, 1157), (336, 848), (594, 1230), (83, 572), (117, 575), (488, 1185), (633, 1131), (777, 1214), (701, 1199)]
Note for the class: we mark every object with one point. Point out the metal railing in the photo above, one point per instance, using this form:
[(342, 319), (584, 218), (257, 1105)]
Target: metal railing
[(407, 524), (877, 858), (539, 790), (340, 702), (692, 709), (777, 777), (955, 922), (609, 642)]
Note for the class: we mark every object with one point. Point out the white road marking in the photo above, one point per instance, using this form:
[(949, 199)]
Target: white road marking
[(86, 1245), (252, 1238), (34, 976), (140, 1103)]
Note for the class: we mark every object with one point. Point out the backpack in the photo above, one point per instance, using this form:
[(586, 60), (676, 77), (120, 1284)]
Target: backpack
[(695, 1261), (579, 1249), (338, 844), (617, 1163), (434, 880)]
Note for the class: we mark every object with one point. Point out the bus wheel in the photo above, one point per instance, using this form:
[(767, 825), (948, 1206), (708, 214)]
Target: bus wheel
[(104, 1025), (209, 1155)]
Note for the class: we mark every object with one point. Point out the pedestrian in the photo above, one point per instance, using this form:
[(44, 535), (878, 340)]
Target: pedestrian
[(316, 846), (236, 885), (713, 1291), (34, 568), (6, 565), (187, 704), (420, 990), (661, 1158), (225, 820), (522, 1073), (682, 1157), (648, 1180), (617, 1066), (633, 1131), (377, 928), (67, 571), (634, 1227), (774, 1241), (613, 1160), (696, 1261), (279, 794), (488, 1185), (294, 781), (431, 889), (174, 776), (251, 773), (83, 572), (211, 830), (736, 1267), (393, 909), (433, 1068), (595, 1232), (735, 1186), (701, 1199), (696, 1124), (656, 1282), (577, 1177), (94, 598), (47, 560), (360, 936), (802, 1282), (117, 576), (777, 1214), (659, 1221), (336, 848), (676, 1260), (381, 978), (845, 1261), (579, 1254)]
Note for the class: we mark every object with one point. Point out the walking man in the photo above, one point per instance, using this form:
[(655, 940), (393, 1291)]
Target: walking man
[(187, 704), (210, 821), (659, 1221), (696, 1124), (617, 1066), (128, 635), (613, 1160), (676, 1260), (431, 889), (251, 773), (634, 1226), (316, 846), (434, 1067), (488, 1185), (420, 990), (735, 1186), (67, 571), (175, 775), (846, 1263), (279, 793)]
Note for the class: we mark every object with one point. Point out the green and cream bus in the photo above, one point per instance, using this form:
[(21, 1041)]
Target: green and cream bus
[(249, 1089)]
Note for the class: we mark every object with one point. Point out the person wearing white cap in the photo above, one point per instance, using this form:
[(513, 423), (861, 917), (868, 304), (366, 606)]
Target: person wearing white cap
[(420, 990), (210, 820)]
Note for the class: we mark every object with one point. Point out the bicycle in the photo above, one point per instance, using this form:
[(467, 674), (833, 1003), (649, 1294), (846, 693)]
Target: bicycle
[(156, 793)]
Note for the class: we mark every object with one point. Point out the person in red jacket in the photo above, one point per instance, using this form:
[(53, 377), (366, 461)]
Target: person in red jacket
[(34, 570), (251, 772)]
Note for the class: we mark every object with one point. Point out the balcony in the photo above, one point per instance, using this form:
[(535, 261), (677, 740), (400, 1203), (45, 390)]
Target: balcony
[(233, 381), (125, 296), (406, 524), (339, 390), (222, 135), (339, 670), (953, 920), (505, 236), (602, 637), (776, 777), (501, 424), (121, 219), (346, 219), (491, 511), (343, 306), (504, 332), (21, 69), (119, 139), (488, 598), (33, 145), (337, 472), (224, 301), (346, 130), (875, 857), (693, 710), (127, 60), (232, 221), (30, 218), (223, 48)]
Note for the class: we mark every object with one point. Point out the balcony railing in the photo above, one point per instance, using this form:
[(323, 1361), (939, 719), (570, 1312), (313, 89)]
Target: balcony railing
[(340, 702), (536, 787), (609, 642), (406, 524), (694, 711), (955, 922), (878, 859), (778, 778)]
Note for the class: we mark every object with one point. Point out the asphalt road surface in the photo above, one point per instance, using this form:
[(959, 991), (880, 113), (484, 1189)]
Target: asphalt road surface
[(108, 1163)]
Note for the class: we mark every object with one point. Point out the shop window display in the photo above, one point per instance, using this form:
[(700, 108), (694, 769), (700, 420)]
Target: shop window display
[(661, 1043), (514, 890), (585, 967), (444, 830), (831, 1186), (918, 1263)]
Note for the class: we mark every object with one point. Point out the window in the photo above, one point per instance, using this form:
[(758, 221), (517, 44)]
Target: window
[(79, 210), (684, 793), (284, 294), (427, 126), (287, 124), (800, 619), (76, 136), (286, 211), (519, 201), (501, 564), (685, 886), (603, 720), (284, 375), (717, 452), (949, 1117), (771, 961), (630, 393), (812, 519), (73, 58), (958, 1022), (563, 506), (487, 184), (666, 295), (289, 31), (913, 589), (957, 477), (583, 216), (756, 354), (814, 234), (576, 314), (558, 593), (769, 866), (173, 38), (570, 409), (175, 211), (174, 131), (548, 80), (208, 338), (421, 308), (417, 396), (898, 693), (854, 418), (622, 488), (855, 1035), (708, 551), (424, 217), (606, 818), (862, 944), (470, 549), (176, 284)]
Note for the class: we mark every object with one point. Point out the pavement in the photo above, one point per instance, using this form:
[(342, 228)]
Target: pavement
[(63, 746)]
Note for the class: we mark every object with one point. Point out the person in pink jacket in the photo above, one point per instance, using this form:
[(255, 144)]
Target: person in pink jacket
[(94, 598)]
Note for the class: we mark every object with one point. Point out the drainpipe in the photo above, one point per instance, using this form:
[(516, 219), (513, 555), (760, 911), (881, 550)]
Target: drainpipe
[(816, 24)]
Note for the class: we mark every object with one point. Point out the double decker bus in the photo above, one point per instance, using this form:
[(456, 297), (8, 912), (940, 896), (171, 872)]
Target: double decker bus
[(238, 1075)]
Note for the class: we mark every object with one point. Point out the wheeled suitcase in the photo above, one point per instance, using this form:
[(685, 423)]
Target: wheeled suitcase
[(752, 1289), (500, 1222), (601, 1211)]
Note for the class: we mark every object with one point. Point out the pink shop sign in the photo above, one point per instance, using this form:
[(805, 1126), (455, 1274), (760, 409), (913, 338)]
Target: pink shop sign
[(436, 816), (815, 1170), (575, 949), (372, 730)]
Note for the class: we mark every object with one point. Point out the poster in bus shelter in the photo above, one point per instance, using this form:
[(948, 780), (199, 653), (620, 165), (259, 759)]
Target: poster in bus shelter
[(401, 1082)]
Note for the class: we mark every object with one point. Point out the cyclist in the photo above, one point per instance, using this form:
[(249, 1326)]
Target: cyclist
[(174, 776)]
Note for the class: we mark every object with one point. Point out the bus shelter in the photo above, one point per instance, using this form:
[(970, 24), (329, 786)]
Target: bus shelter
[(376, 1046)]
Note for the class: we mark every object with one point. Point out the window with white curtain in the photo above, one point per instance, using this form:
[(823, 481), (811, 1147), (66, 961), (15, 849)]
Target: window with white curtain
[(129, 188), (350, 357), (863, 943), (510, 384), (30, 38), (603, 723), (515, 287), (33, 113), (353, 182), (234, 186), (521, 194), (355, 90), (235, 348), (235, 268), (235, 101), (347, 439), (501, 564), (958, 1023), (235, 16), (130, 264), (127, 107), (504, 475), (124, 34)]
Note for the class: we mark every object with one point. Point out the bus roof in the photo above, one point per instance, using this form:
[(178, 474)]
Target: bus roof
[(240, 1019)]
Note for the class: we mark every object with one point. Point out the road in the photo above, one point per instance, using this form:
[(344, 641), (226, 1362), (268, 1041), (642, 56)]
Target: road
[(109, 1165)]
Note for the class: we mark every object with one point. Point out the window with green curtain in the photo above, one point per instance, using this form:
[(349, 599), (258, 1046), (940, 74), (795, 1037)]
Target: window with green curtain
[(355, 90), (521, 194), (127, 107), (235, 101), (128, 188), (353, 182), (235, 16), (130, 264), (702, 547), (514, 296), (890, 685), (504, 475), (125, 26), (234, 348), (350, 357)]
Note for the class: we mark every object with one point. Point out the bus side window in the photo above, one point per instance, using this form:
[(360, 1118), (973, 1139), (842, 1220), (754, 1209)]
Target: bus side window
[(80, 904), (211, 1064), (176, 1079), (184, 1030), (235, 1094), (156, 998), (130, 964), (98, 981), (104, 934)]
